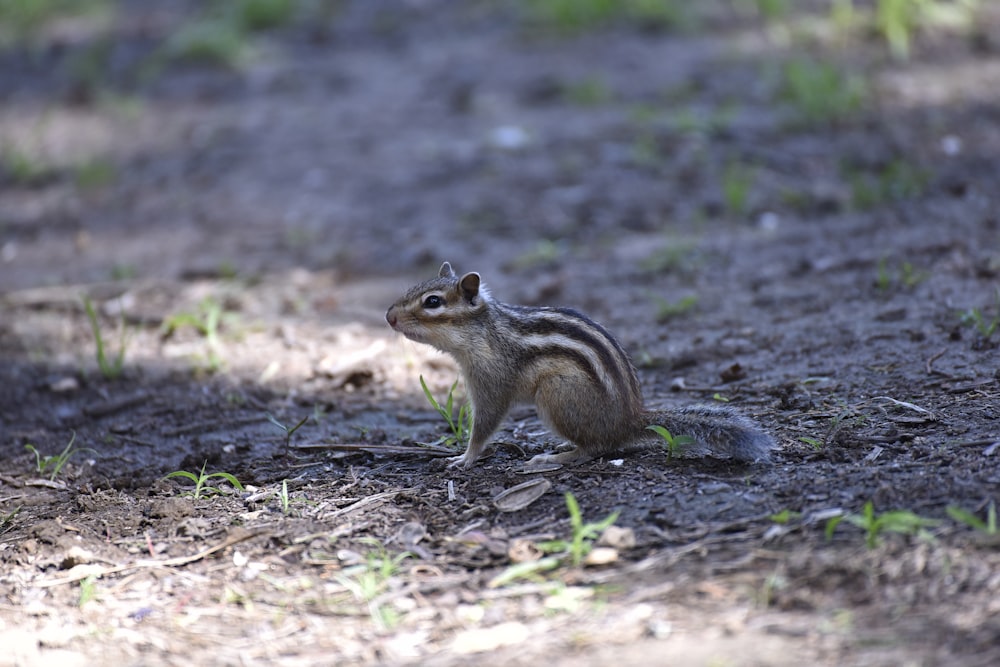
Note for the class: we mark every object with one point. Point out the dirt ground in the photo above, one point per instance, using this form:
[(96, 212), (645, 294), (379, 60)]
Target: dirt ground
[(826, 258)]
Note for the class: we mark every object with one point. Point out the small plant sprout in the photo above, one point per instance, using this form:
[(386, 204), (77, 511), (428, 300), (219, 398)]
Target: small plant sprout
[(897, 181), (820, 92), (57, 462), (21, 167), (542, 252), (675, 443), (909, 276), (874, 525), (88, 590), (124, 272), (574, 551), (897, 20), (319, 413), (7, 520), (202, 479), (771, 10), (974, 317), (94, 175), (816, 443), (645, 150), (460, 426), (110, 369), (283, 497), (894, 19), (212, 41), (576, 16), (883, 281), (288, 431), (737, 179), (591, 91), (719, 397), (530, 569), (989, 527), (774, 583), (785, 516), (667, 310), (702, 123), (264, 14), (206, 321), (369, 580), (831, 526), (583, 534), (675, 257), (906, 276)]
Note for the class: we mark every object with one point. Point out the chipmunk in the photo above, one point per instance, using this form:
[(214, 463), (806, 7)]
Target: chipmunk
[(576, 374)]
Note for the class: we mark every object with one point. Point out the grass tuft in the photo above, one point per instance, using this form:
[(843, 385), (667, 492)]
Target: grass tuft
[(875, 525), (460, 425), (988, 527), (577, 16), (201, 481), (820, 92), (368, 581), (572, 551), (57, 462), (110, 369)]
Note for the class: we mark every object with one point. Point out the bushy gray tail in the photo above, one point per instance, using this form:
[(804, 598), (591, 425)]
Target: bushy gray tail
[(717, 430)]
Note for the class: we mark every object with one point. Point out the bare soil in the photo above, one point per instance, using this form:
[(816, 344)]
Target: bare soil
[(247, 226)]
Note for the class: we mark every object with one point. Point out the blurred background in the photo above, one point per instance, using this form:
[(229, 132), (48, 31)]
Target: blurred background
[(232, 138), (206, 207)]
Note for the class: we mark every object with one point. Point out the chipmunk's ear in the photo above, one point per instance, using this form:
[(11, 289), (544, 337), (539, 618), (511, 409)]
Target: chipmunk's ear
[(469, 286), (446, 271)]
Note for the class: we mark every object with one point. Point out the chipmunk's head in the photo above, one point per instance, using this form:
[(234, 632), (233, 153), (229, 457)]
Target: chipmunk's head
[(439, 311)]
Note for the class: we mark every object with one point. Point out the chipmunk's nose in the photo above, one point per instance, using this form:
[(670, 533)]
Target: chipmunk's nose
[(390, 317)]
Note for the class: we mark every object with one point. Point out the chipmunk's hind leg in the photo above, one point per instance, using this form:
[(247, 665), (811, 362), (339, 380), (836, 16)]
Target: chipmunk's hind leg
[(570, 457)]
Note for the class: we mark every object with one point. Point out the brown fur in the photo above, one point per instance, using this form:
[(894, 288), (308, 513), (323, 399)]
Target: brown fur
[(576, 374)]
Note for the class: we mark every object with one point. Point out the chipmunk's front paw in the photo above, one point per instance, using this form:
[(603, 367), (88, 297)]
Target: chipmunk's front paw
[(457, 462), (465, 461)]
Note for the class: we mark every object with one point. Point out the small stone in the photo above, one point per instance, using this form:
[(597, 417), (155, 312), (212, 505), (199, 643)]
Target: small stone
[(601, 556), (479, 640), (523, 551), (64, 385), (617, 537)]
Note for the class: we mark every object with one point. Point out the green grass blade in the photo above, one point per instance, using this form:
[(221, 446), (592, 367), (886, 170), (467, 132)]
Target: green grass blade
[(662, 432), (431, 399), (229, 478), (295, 428), (184, 474), (526, 570), (968, 518)]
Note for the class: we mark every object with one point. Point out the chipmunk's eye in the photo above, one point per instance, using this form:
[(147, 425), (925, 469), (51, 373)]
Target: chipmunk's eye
[(433, 301)]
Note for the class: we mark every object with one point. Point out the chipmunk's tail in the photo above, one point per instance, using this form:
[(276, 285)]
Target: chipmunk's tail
[(716, 430)]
